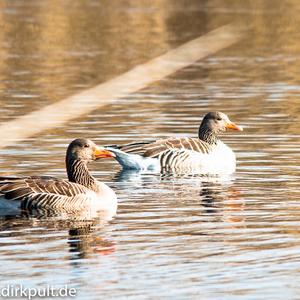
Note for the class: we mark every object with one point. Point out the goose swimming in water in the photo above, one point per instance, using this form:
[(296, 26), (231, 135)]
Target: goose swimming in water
[(203, 155), (81, 191)]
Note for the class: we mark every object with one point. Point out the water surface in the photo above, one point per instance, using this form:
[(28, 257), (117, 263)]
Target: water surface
[(173, 237)]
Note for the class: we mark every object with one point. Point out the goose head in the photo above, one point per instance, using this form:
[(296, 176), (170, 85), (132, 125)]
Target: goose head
[(217, 122), (213, 124), (86, 150)]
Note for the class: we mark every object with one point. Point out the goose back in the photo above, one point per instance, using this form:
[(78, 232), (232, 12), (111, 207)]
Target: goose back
[(155, 148)]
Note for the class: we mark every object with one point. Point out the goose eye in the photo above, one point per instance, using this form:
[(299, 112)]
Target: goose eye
[(219, 119), (86, 146)]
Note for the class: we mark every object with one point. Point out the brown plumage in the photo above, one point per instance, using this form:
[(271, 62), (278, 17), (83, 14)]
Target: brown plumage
[(174, 153), (49, 192), (155, 148)]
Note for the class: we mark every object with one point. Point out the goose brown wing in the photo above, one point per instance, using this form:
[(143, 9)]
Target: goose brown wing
[(18, 188), (155, 148), (134, 148)]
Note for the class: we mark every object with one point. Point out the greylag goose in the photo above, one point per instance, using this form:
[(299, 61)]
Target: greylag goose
[(204, 155), (81, 191)]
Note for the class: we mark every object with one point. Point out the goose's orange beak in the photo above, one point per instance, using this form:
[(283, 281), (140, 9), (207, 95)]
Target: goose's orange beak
[(233, 126), (102, 153)]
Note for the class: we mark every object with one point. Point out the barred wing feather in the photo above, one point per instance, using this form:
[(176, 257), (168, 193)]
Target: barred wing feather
[(41, 191), (156, 148)]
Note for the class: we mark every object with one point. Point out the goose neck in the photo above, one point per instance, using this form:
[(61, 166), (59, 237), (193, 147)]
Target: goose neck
[(78, 172), (207, 135)]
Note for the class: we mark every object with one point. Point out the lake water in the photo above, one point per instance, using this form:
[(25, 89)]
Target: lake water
[(173, 237)]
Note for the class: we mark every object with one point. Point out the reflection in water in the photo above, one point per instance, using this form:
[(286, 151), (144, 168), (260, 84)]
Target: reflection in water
[(205, 194), (227, 198), (82, 242), (83, 239), (124, 175), (68, 214), (59, 213), (134, 176), (209, 197)]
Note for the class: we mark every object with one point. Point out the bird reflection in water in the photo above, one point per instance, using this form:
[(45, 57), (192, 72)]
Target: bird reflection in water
[(135, 176), (81, 226), (83, 231), (83, 242), (218, 194), (225, 198)]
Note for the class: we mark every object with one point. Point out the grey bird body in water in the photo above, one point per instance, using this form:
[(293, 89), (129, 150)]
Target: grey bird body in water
[(205, 154), (80, 191)]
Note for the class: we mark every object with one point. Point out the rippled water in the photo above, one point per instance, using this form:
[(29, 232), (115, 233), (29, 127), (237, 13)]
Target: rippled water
[(174, 237)]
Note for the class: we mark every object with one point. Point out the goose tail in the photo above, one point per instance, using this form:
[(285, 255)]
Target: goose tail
[(130, 161)]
